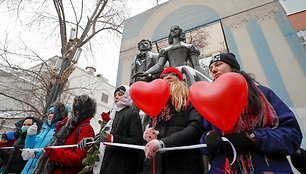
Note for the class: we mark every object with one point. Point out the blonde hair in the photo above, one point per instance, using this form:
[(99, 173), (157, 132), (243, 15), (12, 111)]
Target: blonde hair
[(179, 94)]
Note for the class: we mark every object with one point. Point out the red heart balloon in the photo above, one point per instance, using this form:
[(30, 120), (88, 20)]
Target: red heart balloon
[(150, 97), (222, 101)]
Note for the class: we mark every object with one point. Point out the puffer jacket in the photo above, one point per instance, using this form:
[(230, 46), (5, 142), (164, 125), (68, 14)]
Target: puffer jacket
[(38, 141)]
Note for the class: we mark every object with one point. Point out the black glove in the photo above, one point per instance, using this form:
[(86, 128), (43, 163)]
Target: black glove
[(101, 137), (83, 143), (214, 141), (240, 141)]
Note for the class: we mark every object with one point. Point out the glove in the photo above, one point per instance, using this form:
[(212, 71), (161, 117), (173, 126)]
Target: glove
[(32, 129), (214, 141), (240, 141), (83, 143), (48, 151), (27, 154), (152, 147), (105, 116), (150, 134), (103, 137)]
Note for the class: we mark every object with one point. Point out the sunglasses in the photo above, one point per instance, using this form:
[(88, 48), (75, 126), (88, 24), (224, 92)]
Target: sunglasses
[(169, 74)]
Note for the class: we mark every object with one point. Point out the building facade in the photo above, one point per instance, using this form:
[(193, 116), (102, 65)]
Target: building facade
[(79, 82), (257, 32)]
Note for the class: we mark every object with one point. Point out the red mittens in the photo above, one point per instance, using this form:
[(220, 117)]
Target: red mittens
[(152, 147), (150, 134)]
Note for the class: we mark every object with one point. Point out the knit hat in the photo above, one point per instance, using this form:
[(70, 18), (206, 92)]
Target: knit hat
[(172, 69), (51, 109), (120, 89), (10, 135), (228, 58)]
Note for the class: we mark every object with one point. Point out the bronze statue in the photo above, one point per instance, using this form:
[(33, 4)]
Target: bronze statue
[(144, 60), (182, 56)]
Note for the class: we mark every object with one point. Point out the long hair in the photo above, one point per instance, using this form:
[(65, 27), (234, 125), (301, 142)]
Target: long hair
[(254, 101), (182, 35), (179, 94)]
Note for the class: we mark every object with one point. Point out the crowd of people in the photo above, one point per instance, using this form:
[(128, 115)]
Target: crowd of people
[(265, 134)]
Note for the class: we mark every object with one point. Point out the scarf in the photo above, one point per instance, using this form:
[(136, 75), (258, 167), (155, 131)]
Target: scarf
[(124, 102), (165, 115), (265, 118)]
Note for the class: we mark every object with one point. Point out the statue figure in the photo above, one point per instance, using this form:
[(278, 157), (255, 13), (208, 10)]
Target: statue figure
[(182, 56), (143, 61)]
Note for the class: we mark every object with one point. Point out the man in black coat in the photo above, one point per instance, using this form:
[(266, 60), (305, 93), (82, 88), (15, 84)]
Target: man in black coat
[(124, 127)]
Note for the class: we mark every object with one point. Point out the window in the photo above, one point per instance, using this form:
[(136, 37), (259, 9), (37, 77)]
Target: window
[(104, 98)]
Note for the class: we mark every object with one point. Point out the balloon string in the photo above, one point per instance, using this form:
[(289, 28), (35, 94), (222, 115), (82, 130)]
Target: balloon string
[(153, 159)]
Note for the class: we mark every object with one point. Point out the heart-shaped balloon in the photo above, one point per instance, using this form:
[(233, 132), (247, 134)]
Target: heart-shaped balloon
[(222, 101), (150, 97)]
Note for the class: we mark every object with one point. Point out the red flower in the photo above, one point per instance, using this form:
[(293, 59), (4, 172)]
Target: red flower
[(105, 116)]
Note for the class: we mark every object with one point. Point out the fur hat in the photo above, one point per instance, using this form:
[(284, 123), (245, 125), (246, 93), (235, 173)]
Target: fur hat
[(172, 69), (84, 107), (228, 58)]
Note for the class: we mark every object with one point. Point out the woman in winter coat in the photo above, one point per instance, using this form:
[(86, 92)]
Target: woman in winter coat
[(124, 127), (70, 131), (33, 140), (13, 162), (265, 133), (179, 124)]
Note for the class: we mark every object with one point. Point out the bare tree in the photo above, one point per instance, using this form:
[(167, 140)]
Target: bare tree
[(26, 91), (23, 91)]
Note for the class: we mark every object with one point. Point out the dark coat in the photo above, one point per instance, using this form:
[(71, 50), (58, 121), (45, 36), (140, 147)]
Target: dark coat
[(299, 161), (184, 128), (14, 162), (126, 129), (271, 146)]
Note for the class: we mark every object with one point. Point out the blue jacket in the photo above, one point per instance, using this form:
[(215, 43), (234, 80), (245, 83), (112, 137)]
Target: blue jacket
[(271, 146), (38, 141)]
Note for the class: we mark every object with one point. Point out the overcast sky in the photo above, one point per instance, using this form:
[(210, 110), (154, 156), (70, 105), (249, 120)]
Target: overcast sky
[(105, 60)]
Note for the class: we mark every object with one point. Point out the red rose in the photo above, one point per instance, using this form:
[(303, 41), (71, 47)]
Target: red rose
[(105, 116)]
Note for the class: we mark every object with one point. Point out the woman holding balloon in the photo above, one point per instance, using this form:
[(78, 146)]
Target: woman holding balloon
[(265, 133), (178, 124)]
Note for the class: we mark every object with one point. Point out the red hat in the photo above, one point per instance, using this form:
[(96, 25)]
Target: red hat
[(172, 69)]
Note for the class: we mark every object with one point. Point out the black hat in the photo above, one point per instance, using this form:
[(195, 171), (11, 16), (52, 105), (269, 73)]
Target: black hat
[(121, 89), (228, 58)]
